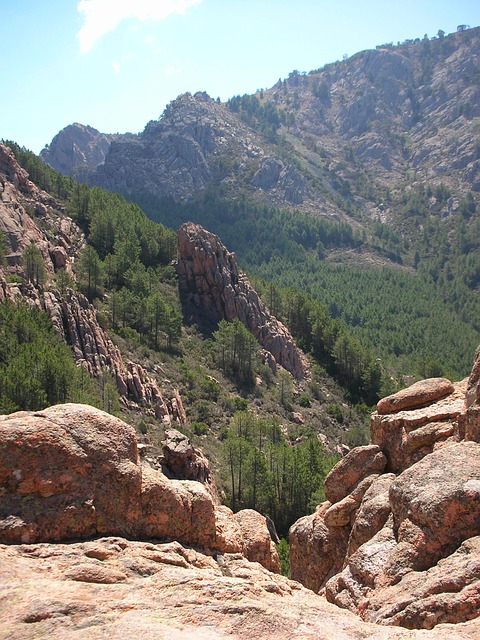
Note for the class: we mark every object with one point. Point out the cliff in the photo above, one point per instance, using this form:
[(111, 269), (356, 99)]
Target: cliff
[(212, 289), (28, 214)]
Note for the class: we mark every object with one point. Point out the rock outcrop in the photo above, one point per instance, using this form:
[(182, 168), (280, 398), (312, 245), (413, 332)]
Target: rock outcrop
[(79, 149), (73, 472), (212, 289), (397, 540), (117, 588), (28, 214), (183, 461)]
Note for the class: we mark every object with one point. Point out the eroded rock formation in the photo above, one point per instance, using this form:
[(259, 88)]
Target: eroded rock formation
[(183, 461), (28, 214), (398, 539), (117, 588), (73, 472), (212, 288)]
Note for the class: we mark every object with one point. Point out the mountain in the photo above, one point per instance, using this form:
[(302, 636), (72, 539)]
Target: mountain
[(78, 147), (357, 178), (354, 131)]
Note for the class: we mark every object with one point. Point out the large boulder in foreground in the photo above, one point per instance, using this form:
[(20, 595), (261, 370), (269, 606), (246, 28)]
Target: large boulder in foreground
[(116, 588), (73, 472), (70, 471), (397, 543)]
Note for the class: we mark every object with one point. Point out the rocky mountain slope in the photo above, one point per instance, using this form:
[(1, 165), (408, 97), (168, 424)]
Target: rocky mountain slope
[(212, 289), (28, 214), (408, 543), (397, 540), (78, 147), (357, 131)]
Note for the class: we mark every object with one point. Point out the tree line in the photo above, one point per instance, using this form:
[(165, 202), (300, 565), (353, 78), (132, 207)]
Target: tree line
[(263, 471)]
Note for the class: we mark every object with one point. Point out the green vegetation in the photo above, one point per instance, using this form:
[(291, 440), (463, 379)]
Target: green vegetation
[(33, 265), (399, 321), (264, 472), (263, 115), (236, 352), (37, 368)]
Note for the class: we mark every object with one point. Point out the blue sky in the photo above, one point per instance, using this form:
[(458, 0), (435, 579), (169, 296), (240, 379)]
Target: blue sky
[(116, 64)]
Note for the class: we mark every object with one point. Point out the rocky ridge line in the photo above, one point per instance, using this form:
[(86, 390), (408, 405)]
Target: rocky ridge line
[(212, 289), (28, 214)]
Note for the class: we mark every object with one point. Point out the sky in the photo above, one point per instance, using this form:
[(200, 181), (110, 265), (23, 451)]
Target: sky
[(116, 64)]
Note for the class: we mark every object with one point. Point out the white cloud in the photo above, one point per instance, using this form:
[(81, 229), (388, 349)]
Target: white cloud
[(116, 67), (173, 70), (103, 16)]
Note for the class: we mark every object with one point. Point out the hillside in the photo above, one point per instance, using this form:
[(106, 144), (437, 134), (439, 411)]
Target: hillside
[(97, 275), (368, 163), (354, 130)]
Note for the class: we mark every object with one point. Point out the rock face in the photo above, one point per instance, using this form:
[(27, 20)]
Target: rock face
[(354, 114), (405, 512), (79, 149), (27, 215), (76, 320), (182, 461), (212, 288), (73, 472), (25, 212), (175, 156), (117, 588)]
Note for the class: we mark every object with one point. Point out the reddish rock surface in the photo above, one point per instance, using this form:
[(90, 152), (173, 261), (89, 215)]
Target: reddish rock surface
[(317, 551), (418, 394), (73, 472), (115, 588), (407, 436), (257, 543), (183, 461), (212, 288), (355, 466), (408, 540)]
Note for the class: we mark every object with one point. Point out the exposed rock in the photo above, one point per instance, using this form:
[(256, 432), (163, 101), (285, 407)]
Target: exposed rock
[(212, 288), (168, 591), (70, 471), (373, 512), (473, 387), (421, 393), (356, 113), (405, 437), (274, 174), (410, 542), (74, 318), (350, 470), (73, 472), (447, 592), (184, 462), (317, 552), (436, 503), (176, 156), (176, 510), (257, 543), (79, 147)]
